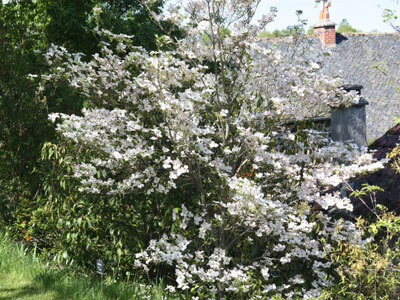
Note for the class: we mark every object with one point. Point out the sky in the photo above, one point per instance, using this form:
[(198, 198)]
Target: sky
[(364, 15)]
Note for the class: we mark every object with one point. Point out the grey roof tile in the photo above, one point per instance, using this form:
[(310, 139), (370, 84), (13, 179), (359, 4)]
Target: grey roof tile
[(371, 60)]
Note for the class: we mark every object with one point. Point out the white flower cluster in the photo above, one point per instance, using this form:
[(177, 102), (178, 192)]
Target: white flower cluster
[(213, 114)]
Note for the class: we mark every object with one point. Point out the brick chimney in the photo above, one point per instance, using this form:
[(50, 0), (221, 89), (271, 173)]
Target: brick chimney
[(325, 28)]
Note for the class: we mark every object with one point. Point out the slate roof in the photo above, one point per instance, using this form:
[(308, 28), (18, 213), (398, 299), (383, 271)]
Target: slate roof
[(370, 60), (373, 61), (386, 143), (387, 178)]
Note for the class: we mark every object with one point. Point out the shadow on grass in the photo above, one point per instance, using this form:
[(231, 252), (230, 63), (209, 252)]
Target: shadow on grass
[(65, 285), (20, 292), (56, 284)]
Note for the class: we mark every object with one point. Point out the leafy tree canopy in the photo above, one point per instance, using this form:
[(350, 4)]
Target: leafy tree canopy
[(27, 29), (345, 27), (289, 31), (72, 22), (293, 30)]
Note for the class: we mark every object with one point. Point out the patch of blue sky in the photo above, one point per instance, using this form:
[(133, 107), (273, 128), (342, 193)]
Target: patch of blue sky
[(364, 15)]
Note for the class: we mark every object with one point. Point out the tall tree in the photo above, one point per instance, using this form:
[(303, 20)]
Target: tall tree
[(27, 29), (72, 22), (345, 27), (23, 123)]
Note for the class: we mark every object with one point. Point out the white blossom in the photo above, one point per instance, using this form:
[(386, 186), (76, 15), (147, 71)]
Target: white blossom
[(224, 134)]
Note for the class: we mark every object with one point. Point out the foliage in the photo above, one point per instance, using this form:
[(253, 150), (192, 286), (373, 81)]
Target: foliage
[(294, 30), (345, 27), (310, 30), (74, 227), (194, 145), (23, 124), (390, 16), (23, 275), (394, 157), (371, 270), (27, 29), (281, 33), (72, 23)]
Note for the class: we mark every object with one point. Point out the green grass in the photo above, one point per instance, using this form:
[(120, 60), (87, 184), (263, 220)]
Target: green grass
[(24, 276)]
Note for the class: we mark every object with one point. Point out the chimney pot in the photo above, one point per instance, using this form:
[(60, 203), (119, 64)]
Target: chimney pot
[(350, 123)]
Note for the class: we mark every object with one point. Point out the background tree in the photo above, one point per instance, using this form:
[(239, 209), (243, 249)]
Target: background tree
[(345, 27), (23, 124), (71, 23), (290, 31), (294, 30), (27, 29)]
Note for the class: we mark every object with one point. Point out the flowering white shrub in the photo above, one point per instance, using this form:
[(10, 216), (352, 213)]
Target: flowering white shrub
[(211, 116)]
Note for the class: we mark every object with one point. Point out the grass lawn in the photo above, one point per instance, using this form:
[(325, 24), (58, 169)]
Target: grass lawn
[(24, 276)]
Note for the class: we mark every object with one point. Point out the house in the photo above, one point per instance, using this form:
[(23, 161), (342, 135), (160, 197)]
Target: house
[(370, 64), (368, 60)]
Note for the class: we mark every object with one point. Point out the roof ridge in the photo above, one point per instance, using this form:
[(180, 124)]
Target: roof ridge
[(281, 38), (370, 33)]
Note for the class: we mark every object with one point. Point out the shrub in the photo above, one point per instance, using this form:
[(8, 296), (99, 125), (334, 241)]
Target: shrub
[(370, 270), (194, 145)]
